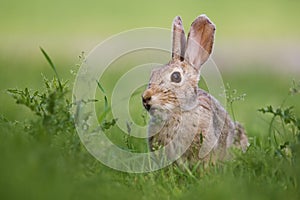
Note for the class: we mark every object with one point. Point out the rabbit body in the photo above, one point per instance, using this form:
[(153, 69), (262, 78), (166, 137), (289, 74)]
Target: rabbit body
[(185, 120)]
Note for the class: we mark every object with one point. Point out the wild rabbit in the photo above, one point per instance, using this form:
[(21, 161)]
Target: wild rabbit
[(185, 119)]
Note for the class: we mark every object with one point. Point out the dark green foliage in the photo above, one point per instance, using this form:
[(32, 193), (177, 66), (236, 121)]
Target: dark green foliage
[(285, 114), (284, 128), (52, 107)]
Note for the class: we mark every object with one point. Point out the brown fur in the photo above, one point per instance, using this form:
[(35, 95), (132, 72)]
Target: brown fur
[(186, 120)]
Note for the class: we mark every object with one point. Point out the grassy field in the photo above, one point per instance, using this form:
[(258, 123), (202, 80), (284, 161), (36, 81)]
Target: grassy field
[(43, 158), (41, 154)]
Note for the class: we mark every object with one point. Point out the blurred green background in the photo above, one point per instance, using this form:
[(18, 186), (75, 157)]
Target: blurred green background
[(256, 48), (257, 51)]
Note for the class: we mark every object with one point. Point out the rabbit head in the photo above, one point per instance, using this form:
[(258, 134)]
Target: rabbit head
[(173, 87)]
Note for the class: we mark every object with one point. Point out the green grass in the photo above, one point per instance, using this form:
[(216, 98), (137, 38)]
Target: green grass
[(43, 158)]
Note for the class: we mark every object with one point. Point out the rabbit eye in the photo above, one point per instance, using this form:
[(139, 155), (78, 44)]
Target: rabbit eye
[(176, 77)]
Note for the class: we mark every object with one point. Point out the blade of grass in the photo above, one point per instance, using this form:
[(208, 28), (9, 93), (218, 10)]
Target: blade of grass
[(100, 87), (106, 107), (52, 66)]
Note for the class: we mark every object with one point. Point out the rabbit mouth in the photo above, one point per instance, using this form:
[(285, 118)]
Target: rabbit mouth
[(146, 104)]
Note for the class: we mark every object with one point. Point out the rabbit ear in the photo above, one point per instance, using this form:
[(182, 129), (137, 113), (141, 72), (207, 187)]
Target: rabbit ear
[(200, 41), (179, 40)]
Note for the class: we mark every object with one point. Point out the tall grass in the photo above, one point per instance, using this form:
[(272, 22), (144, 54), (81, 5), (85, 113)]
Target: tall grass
[(43, 158)]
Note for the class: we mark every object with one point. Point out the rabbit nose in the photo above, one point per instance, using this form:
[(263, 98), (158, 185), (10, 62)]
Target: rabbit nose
[(146, 100)]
